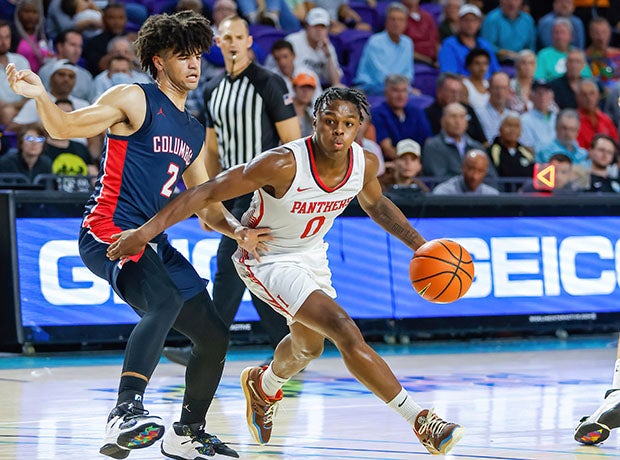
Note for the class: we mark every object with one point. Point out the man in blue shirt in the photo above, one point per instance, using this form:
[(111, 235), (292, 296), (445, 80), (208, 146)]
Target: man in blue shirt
[(455, 49), (561, 9), (509, 30)]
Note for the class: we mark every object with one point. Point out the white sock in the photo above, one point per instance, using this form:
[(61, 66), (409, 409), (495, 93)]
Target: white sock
[(615, 383), (404, 404), (271, 383)]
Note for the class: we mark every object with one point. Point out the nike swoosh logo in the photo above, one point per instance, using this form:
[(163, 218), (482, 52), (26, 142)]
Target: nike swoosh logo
[(401, 404), (299, 189)]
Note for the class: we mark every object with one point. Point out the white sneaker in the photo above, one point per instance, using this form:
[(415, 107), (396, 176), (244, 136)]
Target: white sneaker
[(190, 442), (595, 428), (130, 427)]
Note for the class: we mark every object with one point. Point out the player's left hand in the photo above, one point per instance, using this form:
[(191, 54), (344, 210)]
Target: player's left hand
[(253, 240), (128, 243)]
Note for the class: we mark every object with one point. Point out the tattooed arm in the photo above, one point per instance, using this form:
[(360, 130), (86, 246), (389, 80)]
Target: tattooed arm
[(383, 211)]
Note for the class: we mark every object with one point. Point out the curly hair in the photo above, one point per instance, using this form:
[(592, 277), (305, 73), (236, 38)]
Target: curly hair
[(182, 33), (356, 97)]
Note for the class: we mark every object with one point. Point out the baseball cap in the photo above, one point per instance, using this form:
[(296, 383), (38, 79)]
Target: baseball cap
[(408, 146), (304, 79), (318, 16), (63, 64), (540, 84), (469, 9)]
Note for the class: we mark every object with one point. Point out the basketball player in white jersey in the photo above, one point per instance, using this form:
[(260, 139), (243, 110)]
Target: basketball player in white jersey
[(299, 189)]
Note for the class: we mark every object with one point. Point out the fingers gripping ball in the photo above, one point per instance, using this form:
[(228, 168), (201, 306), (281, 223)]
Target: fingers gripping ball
[(441, 271)]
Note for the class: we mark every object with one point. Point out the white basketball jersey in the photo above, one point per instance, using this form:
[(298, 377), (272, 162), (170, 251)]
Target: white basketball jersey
[(300, 219)]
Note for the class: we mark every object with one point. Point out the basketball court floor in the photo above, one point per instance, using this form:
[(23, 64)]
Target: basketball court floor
[(518, 400)]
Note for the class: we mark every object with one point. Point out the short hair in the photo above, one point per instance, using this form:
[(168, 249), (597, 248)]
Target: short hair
[(396, 6), (395, 79), (563, 21), (444, 76), (5, 23), (599, 20), (567, 113), (112, 6), (282, 44), (473, 54), (597, 137), (62, 36), (523, 54), (354, 96), (183, 33), (561, 158)]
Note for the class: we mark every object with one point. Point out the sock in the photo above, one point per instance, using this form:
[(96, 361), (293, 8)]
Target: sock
[(131, 396), (406, 407), (271, 383), (193, 411), (615, 383)]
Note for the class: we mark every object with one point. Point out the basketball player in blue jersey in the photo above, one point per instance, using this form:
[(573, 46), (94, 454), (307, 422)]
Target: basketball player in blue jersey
[(152, 142), (299, 189)]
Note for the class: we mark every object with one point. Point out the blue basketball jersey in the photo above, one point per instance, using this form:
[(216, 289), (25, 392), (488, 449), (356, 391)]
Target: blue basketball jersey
[(139, 172)]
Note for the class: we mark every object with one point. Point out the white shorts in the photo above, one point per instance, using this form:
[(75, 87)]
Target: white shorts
[(285, 283)]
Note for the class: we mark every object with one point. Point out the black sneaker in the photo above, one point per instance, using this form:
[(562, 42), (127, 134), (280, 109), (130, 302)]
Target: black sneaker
[(595, 428), (190, 442)]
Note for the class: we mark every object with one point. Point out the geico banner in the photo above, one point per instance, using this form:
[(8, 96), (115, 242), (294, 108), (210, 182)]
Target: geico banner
[(523, 266)]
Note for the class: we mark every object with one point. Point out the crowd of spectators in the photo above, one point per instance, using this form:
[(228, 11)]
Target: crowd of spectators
[(466, 96)]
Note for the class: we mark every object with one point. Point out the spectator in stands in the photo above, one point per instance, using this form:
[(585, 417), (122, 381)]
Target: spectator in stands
[(86, 16), (283, 56), (491, 113), (314, 50), (593, 120), (189, 5), (421, 28), (119, 72), (449, 24), (62, 81), (561, 9), (363, 138), (385, 53), (612, 105), (304, 86), (477, 85), (565, 177), (454, 49), (401, 178), (565, 87), (449, 89), (551, 61), (68, 45), (602, 154), (509, 30), (538, 123), (121, 46), (397, 118), (509, 157), (565, 142), (342, 16), (474, 169), (28, 159), (443, 154), (114, 23), (70, 158), (28, 34), (10, 103), (270, 12), (603, 60), (521, 83)]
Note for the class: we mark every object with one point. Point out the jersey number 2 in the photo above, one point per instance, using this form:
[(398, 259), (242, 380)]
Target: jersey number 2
[(168, 187)]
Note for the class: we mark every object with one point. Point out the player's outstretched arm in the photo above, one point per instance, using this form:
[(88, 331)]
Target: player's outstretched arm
[(385, 213)]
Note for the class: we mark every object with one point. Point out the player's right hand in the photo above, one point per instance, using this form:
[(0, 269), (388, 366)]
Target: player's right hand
[(24, 82)]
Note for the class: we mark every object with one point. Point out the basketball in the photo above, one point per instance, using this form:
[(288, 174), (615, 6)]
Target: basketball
[(441, 271)]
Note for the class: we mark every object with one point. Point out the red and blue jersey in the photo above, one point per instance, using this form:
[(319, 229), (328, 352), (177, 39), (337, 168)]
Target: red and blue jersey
[(139, 172)]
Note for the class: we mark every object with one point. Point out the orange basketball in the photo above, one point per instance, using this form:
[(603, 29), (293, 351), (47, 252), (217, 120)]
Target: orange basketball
[(441, 271)]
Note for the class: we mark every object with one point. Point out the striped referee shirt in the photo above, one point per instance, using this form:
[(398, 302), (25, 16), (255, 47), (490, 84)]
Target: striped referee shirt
[(243, 112)]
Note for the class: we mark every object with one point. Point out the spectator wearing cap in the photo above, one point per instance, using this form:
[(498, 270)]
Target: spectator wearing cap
[(68, 45), (551, 61), (304, 86), (509, 30), (314, 50), (565, 142), (593, 120), (401, 177), (62, 81), (508, 156), (537, 124), (454, 49), (474, 169), (387, 52), (561, 9)]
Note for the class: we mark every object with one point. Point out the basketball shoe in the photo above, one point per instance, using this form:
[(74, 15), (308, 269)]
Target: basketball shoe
[(595, 428), (437, 435), (130, 427), (190, 442), (260, 409)]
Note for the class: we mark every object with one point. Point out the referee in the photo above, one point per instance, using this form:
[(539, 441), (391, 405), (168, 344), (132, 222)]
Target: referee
[(248, 111)]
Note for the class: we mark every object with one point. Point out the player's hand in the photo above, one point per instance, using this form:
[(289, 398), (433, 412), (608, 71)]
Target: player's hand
[(24, 82), (253, 240), (128, 243)]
